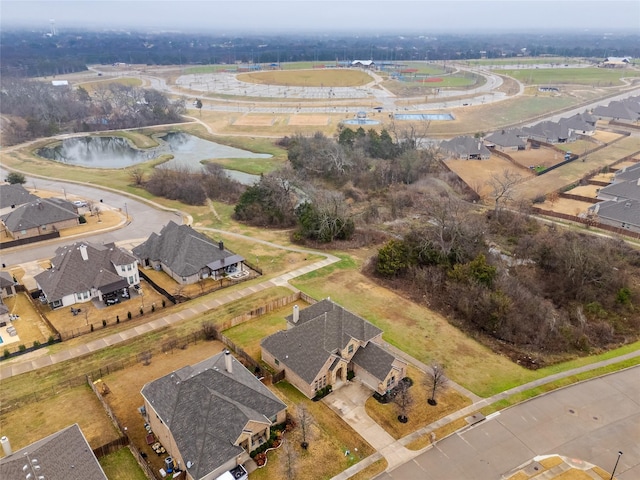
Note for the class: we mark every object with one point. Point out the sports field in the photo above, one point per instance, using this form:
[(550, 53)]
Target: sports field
[(308, 78), (599, 77)]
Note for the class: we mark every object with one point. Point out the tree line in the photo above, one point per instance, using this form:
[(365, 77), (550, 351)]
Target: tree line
[(40, 109)]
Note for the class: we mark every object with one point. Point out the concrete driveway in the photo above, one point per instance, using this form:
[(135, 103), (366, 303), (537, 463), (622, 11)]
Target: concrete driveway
[(348, 402)]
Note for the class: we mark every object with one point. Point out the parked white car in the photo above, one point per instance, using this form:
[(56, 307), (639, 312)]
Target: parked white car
[(80, 203)]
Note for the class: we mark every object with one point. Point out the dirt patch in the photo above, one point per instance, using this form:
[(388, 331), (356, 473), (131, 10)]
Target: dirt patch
[(477, 173), (585, 191), (534, 157), (307, 120), (566, 206), (255, 121)]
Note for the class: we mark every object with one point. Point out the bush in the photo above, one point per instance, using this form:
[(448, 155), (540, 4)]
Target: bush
[(322, 392), (22, 348), (350, 374), (36, 344), (6, 353), (104, 322), (129, 315), (82, 220), (153, 308), (164, 303), (51, 340), (141, 311)]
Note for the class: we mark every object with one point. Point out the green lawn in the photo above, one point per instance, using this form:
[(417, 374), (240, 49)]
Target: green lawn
[(249, 335), (121, 465), (592, 76)]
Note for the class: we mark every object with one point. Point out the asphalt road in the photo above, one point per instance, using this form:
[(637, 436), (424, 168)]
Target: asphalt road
[(589, 421), (144, 219)]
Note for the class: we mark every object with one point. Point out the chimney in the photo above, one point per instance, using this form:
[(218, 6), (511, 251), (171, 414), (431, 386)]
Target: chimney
[(221, 245), (228, 361), (6, 446), (296, 313), (83, 252)]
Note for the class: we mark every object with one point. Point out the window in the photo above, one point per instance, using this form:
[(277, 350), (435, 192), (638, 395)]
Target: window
[(350, 348), (131, 280), (277, 361)]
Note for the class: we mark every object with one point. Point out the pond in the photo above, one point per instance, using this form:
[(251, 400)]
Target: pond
[(360, 121), (117, 152)]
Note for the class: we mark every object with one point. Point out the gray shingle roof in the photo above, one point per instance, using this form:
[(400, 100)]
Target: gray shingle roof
[(322, 330), (506, 138), (374, 359), (206, 409), (6, 280), (65, 455), (622, 190), (41, 212), (15, 195), (181, 248), (626, 211), (465, 146), (72, 274), (625, 110), (629, 173), (551, 131)]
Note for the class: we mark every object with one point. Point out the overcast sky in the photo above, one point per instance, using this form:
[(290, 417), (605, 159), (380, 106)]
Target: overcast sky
[(258, 16)]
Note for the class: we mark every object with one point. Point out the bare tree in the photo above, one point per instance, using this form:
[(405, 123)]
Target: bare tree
[(503, 186), (403, 399), (305, 419), (436, 380), (137, 176)]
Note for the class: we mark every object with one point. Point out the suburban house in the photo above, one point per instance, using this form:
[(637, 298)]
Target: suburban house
[(550, 132), (7, 285), (211, 415), (627, 110), (83, 271), (187, 255), (12, 196), (624, 214), (323, 342), (506, 140), (465, 148), (619, 191), (580, 123), (65, 455), (39, 217)]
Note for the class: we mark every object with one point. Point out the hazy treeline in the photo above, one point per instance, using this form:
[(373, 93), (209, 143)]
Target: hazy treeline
[(40, 109), (29, 53)]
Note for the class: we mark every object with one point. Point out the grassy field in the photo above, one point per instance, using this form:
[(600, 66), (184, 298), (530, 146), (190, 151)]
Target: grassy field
[(524, 61), (308, 78), (92, 86), (121, 465), (599, 77)]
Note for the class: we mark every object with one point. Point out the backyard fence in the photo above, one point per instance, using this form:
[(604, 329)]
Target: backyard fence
[(28, 240), (157, 287)]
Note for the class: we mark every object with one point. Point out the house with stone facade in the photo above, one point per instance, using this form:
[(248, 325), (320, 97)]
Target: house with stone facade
[(323, 342)]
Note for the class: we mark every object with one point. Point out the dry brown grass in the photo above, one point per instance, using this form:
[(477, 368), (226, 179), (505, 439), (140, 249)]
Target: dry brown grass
[(34, 421), (254, 121), (605, 137), (589, 191), (440, 433), (371, 471), (30, 326), (107, 219), (308, 120), (566, 206), (478, 173), (308, 78), (537, 156), (420, 413), (571, 473)]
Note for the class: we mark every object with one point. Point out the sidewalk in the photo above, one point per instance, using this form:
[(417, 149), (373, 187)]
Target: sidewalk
[(477, 405), (23, 365)]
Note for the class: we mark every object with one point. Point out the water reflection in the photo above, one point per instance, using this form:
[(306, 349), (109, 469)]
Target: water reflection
[(188, 153)]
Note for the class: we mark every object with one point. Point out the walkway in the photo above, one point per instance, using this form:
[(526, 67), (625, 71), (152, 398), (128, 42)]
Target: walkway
[(400, 445), (196, 308)]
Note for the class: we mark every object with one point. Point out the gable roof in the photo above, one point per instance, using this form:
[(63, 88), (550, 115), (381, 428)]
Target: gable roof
[(181, 248), (71, 273), (15, 195), (44, 211), (548, 130), (65, 455), (375, 360), (628, 173), (206, 409), (321, 331), (465, 146), (506, 138), (629, 190), (577, 122), (625, 211), (618, 109), (6, 280)]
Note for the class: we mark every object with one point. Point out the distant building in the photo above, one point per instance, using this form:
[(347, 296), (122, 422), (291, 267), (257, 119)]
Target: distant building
[(363, 63), (465, 148), (615, 62)]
